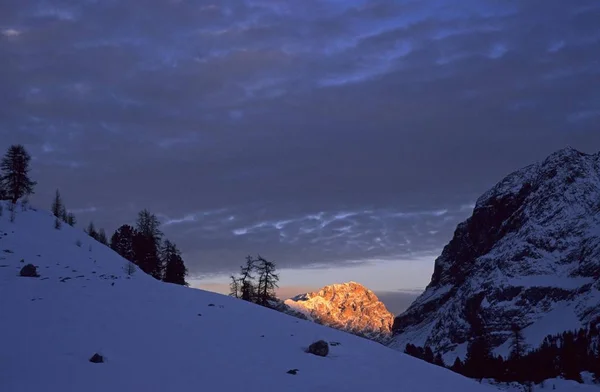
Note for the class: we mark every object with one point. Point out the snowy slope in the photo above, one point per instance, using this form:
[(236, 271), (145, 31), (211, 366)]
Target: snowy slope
[(160, 337), (529, 255)]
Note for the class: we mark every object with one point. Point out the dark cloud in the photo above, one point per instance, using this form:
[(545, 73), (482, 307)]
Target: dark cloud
[(312, 132)]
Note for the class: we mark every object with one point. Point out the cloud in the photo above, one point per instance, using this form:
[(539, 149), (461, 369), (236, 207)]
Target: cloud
[(584, 115), (556, 46), (86, 210), (328, 131), (11, 32), (497, 51)]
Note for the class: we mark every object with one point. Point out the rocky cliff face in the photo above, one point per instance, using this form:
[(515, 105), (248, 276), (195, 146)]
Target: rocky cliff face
[(529, 254), (350, 307)]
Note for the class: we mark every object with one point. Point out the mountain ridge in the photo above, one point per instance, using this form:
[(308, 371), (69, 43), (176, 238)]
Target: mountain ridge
[(528, 253)]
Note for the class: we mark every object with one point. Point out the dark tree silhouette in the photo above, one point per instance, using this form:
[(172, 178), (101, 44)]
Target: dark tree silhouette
[(129, 268), (12, 209), (595, 363), (478, 359), (564, 355), (428, 354), (415, 351), (71, 220), (148, 225), (234, 287), (15, 173), (91, 231), (175, 270), (458, 366), (514, 367), (439, 360), (517, 345), (122, 242), (58, 210), (246, 280), (267, 281), (147, 255), (102, 237), (146, 244), (570, 361)]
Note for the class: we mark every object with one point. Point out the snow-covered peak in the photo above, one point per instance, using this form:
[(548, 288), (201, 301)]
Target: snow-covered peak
[(529, 253), (558, 171), (565, 153), (155, 336), (347, 306)]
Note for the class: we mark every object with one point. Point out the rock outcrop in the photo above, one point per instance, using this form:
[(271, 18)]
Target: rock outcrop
[(350, 307)]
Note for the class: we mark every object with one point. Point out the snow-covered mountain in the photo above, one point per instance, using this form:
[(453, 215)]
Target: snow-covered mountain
[(529, 254), (350, 307), (155, 336)]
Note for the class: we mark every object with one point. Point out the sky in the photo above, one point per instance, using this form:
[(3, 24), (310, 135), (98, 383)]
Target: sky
[(342, 139)]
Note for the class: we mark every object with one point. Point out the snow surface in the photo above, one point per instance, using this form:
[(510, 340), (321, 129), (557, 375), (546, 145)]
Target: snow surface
[(161, 337), (561, 282), (296, 307), (562, 318), (553, 384)]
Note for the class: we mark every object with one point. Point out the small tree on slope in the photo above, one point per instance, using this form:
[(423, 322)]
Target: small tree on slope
[(71, 220), (15, 173), (12, 209), (148, 225), (517, 345), (129, 268), (147, 243), (458, 366), (517, 351), (246, 280), (64, 216), (596, 364), (175, 270), (102, 237), (478, 362), (91, 231), (2, 191), (439, 360), (58, 210), (234, 287), (267, 281), (122, 242)]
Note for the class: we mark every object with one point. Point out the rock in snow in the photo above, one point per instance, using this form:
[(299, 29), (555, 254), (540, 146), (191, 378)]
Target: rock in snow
[(153, 335), (529, 254), (319, 348), (350, 307), (97, 358), (29, 271)]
